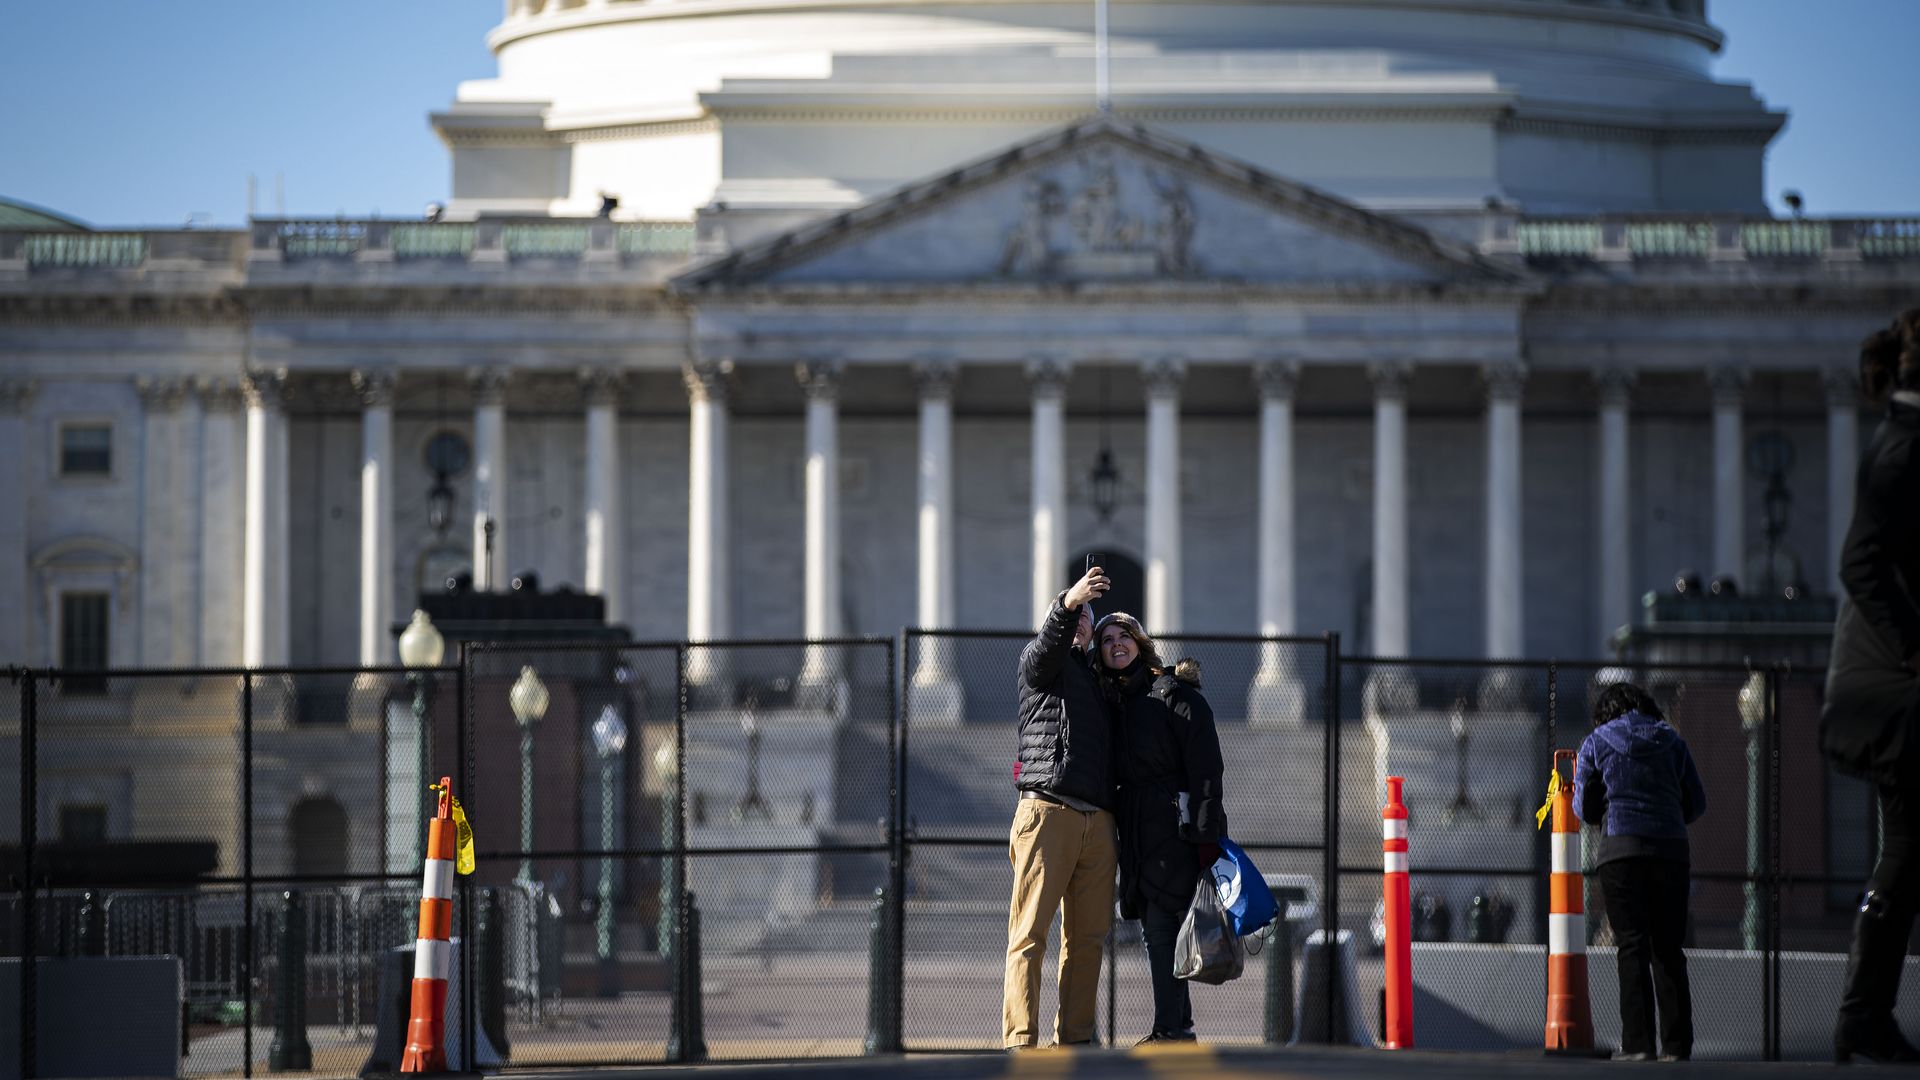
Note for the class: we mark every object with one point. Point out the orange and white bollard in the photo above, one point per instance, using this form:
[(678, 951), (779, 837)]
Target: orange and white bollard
[(1397, 902), (1569, 1010), (433, 950)]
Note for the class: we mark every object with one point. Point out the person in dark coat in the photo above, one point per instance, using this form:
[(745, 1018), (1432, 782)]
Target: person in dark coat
[(1867, 724), (1062, 840), (1169, 768), (1635, 777)]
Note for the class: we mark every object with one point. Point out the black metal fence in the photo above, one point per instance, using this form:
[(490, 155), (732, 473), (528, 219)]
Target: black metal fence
[(786, 849)]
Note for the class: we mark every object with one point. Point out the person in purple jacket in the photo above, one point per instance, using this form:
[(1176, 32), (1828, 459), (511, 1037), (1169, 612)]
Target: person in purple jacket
[(1636, 775)]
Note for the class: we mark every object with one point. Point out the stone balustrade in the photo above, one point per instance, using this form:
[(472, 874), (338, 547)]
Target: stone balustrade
[(1677, 239), (1650, 241)]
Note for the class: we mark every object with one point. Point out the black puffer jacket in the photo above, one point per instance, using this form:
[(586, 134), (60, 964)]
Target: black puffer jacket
[(1867, 725), (1066, 730), (1167, 745)]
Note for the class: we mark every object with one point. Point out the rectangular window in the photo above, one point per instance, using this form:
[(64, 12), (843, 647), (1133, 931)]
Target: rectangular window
[(86, 450), (83, 639), (83, 824)]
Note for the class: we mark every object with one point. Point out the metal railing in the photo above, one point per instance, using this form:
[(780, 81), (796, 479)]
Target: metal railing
[(821, 827)]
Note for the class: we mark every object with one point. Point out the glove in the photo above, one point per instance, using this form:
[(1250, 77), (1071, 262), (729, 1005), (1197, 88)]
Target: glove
[(1209, 853)]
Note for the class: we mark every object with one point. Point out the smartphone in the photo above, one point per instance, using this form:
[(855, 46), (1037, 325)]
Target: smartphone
[(1093, 560)]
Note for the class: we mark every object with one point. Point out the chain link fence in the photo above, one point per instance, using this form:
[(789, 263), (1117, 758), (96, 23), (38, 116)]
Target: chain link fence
[(785, 849)]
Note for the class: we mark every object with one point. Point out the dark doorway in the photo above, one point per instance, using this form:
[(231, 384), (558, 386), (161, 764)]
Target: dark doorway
[(319, 835), (1129, 592)]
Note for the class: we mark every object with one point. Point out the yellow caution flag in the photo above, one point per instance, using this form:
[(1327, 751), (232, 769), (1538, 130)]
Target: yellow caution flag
[(1539, 817), (462, 840)]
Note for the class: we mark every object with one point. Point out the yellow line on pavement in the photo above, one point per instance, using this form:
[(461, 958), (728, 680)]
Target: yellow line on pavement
[(1057, 1061)]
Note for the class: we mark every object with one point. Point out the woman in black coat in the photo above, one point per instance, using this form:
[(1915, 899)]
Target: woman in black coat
[(1867, 726), (1167, 763)]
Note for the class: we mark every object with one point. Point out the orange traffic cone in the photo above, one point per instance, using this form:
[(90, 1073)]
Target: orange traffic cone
[(426, 1034), (1569, 1009)]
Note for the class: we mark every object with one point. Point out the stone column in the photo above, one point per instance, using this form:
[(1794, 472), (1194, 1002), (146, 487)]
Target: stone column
[(1843, 458), (1505, 591), (820, 677), (1048, 378), (1391, 606), (186, 514), (935, 696), (376, 516), (490, 571), (163, 553), (604, 546), (263, 631), (1162, 379), (1729, 474), (222, 523), (16, 393), (1277, 694), (1615, 511), (709, 584)]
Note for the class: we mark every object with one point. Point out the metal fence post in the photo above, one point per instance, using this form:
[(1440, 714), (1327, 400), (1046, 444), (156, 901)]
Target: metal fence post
[(897, 858), (680, 1038), (290, 1049), (877, 967), (92, 928), (1330, 868), (469, 1000), (1277, 1029), (1773, 846), (246, 873), (29, 840), (1543, 838)]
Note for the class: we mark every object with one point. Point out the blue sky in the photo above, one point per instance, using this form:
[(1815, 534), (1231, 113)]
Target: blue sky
[(141, 112)]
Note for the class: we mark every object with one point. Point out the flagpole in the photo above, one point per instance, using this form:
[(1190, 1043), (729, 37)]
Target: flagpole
[(1101, 89)]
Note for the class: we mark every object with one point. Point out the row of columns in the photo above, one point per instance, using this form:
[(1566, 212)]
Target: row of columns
[(708, 580)]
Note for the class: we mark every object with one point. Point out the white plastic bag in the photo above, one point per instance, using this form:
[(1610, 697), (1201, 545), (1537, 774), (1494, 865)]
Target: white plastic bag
[(1207, 949)]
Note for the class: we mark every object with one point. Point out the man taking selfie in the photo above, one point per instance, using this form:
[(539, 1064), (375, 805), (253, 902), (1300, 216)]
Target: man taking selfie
[(1062, 841)]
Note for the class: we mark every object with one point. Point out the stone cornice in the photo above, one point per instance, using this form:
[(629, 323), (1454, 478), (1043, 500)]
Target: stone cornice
[(1126, 293), (121, 309), (470, 138), (1728, 297), (824, 113)]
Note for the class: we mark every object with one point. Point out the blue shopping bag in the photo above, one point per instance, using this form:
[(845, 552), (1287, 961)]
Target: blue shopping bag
[(1243, 890)]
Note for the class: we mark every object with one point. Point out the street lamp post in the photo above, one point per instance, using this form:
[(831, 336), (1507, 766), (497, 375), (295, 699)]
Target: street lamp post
[(421, 646), (609, 740), (529, 701)]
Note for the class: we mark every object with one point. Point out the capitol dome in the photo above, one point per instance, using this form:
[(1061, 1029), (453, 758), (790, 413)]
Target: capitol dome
[(790, 108)]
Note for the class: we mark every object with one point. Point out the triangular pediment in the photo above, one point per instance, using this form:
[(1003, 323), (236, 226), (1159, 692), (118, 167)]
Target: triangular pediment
[(1103, 203)]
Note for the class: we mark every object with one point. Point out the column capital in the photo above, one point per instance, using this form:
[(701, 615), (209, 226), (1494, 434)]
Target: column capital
[(14, 395), (1048, 375), (1390, 378), (1729, 383), (935, 376), (707, 380), (820, 379), (489, 384), (218, 394), (160, 393), (601, 385), (375, 386), (1614, 385), (1163, 376), (1842, 384), (1505, 380), (265, 388), (1277, 379)]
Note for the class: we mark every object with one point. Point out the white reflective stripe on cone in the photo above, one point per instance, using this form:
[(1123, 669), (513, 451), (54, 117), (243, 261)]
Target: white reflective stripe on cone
[(431, 959), (1566, 853), (1566, 934), (439, 883), (1395, 861), (1393, 828)]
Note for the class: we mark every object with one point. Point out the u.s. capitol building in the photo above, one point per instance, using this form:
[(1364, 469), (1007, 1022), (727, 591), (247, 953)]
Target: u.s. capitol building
[(1446, 324)]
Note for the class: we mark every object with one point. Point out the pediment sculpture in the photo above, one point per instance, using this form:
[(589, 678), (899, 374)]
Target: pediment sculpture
[(1100, 227)]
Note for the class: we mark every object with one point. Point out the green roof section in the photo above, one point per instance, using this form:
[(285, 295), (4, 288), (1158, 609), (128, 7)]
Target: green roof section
[(16, 216)]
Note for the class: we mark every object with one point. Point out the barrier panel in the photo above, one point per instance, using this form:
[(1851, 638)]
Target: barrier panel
[(782, 849)]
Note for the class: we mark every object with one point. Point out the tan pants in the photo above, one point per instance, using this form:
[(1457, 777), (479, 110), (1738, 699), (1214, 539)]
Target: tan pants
[(1063, 859)]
